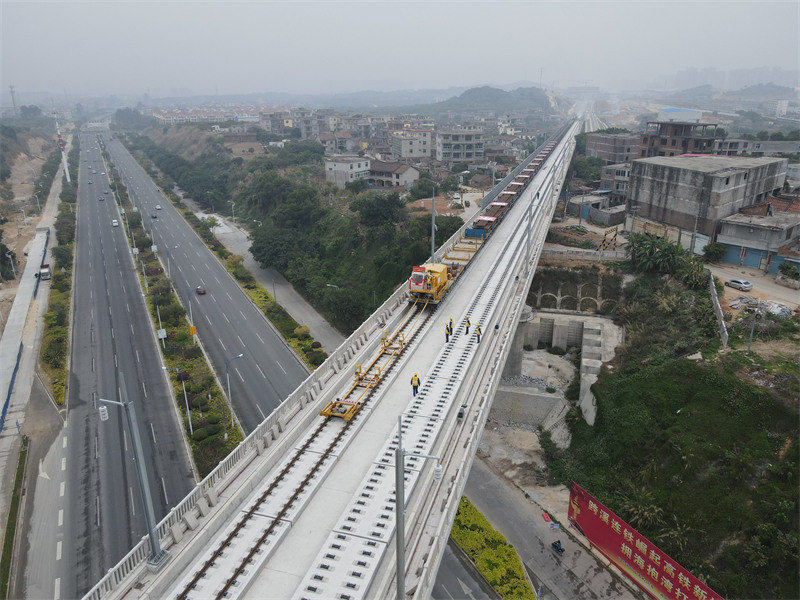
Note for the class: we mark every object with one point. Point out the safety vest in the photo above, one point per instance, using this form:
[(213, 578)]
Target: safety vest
[(415, 381)]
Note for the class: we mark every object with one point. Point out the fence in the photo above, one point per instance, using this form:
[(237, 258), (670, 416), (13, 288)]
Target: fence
[(723, 331), (10, 389), (582, 254)]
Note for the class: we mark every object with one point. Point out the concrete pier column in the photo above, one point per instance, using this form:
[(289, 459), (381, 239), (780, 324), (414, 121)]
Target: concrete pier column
[(513, 367)]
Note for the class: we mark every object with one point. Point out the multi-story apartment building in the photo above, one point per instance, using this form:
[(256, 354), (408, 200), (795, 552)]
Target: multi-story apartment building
[(460, 143), (613, 148), (385, 174), (668, 138), (411, 143), (733, 147), (341, 170), (616, 178)]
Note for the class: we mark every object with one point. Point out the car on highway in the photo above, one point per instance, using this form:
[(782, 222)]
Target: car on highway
[(114, 223), (154, 216), (100, 198), (200, 290), (90, 181), (158, 207), (740, 284)]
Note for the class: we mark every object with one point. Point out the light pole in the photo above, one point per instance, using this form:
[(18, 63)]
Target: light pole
[(233, 209), (38, 208), (169, 267), (156, 552), (158, 313), (228, 361), (400, 504), (185, 399), (11, 260)]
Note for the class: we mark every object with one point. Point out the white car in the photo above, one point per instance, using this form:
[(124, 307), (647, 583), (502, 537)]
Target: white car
[(158, 207), (114, 223), (740, 284)]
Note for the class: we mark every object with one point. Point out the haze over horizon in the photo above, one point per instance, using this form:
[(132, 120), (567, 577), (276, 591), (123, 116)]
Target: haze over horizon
[(185, 48)]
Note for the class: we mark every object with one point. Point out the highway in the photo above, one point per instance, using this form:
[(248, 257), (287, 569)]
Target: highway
[(94, 515), (227, 321)]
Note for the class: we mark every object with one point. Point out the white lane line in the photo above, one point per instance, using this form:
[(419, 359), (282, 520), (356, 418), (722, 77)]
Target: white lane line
[(64, 442), (153, 433), (260, 371), (207, 319), (238, 337), (281, 366), (217, 280), (223, 345), (133, 505), (97, 506), (239, 374), (144, 389), (229, 296), (241, 313), (259, 338), (57, 590), (60, 517), (226, 318), (164, 489), (62, 488), (263, 416), (64, 464), (137, 356), (58, 550)]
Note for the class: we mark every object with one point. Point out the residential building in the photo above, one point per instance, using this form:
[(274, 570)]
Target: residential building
[(616, 178), (736, 146), (340, 142), (673, 138), (696, 192), (411, 143), (613, 147), (762, 240), (392, 174), (460, 143), (341, 170)]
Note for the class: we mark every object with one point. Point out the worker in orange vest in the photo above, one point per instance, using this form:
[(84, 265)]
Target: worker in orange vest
[(415, 384), (478, 332), (446, 333), (467, 324)]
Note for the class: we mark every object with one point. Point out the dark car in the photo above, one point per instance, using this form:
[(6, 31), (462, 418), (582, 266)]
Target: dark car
[(200, 290), (154, 216)]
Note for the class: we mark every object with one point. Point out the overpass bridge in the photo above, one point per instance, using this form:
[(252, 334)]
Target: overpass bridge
[(304, 508)]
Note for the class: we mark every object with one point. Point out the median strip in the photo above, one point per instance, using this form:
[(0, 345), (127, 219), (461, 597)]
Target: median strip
[(296, 335), (206, 415)]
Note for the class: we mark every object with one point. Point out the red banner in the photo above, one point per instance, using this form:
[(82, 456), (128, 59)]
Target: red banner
[(651, 569)]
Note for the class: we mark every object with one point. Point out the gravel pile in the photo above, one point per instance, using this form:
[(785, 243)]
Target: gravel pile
[(525, 381)]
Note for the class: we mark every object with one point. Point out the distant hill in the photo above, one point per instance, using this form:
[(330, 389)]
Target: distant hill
[(763, 91), (492, 99), (703, 94)]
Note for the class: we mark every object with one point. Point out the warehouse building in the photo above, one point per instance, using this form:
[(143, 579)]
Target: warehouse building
[(696, 192)]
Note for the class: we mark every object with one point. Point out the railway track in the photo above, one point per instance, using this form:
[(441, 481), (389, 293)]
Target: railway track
[(340, 412)]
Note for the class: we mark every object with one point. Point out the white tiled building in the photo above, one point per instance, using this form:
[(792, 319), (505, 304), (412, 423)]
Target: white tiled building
[(341, 170)]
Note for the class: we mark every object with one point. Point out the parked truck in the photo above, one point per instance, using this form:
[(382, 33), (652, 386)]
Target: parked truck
[(44, 271)]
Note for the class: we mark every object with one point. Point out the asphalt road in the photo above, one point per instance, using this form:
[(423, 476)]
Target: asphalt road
[(97, 510), (575, 575), (454, 582), (227, 321)]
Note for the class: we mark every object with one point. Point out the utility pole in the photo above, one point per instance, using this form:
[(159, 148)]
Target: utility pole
[(633, 215), (156, 552), (433, 224)]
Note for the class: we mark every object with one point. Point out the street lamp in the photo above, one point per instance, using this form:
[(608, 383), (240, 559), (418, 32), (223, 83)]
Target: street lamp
[(157, 554), (400, 503), (158, 312), (228, 361), (185, 399), (169, 251)]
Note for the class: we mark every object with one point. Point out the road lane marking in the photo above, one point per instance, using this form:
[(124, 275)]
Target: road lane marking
[(133, 504), (64, 442), (57, 591), (58, 550), (226, 318), (239, 374), (260, 371), (281, 366), (207, 319), (137, 356), (223, 345), (153, 433), (97, 507), (164, 489), (238, 337), (259, 338), (144, 388), (241, 313), (62, 488), (263, 416), (64, 464), (60, 517)]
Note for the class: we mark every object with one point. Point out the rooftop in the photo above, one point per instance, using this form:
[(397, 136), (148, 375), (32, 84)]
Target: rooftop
[(709, 163), (779, 220)]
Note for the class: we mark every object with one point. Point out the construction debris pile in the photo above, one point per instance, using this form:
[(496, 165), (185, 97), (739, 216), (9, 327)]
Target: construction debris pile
[(761, 306)]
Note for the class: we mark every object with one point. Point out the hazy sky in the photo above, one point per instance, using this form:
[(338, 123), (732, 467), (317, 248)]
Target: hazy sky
[(227, 47)]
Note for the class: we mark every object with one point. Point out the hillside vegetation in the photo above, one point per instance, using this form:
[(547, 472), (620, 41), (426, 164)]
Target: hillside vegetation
[(695, 454)]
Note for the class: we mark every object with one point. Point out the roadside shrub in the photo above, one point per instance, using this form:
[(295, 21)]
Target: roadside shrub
[(714, 252), (62, 256), (316, 344), (302, 332)]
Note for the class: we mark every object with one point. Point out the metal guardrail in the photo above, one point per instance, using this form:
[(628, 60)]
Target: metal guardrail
[(44, 257), (269, 430)]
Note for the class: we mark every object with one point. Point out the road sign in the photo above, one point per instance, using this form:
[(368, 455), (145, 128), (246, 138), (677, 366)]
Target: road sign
[(162, 334), (192, 330)]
